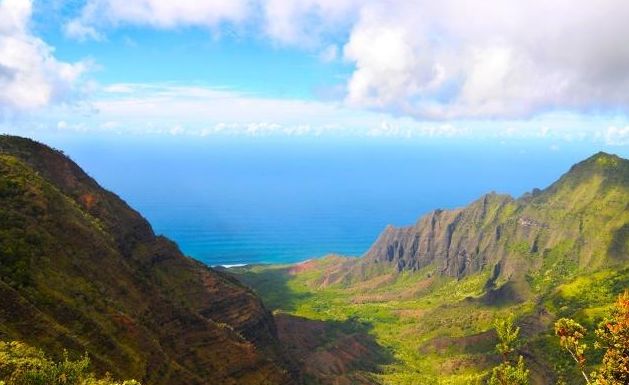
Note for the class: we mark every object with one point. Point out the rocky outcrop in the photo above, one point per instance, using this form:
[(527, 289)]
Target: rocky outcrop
[(80, 269), (451, 239)]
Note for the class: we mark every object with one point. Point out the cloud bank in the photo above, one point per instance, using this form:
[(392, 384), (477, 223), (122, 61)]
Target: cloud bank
[(197, 111), (432, 60)]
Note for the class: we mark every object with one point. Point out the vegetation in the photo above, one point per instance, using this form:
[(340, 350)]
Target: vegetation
[(440, 330), (80, 270), (21, 364), (613, 338), (99, 279), (509, 372), (431, 293), (613, 335), (437, 328), (571, 334)]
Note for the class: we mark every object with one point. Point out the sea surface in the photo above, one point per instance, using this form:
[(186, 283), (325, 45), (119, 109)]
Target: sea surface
[(229, 201)]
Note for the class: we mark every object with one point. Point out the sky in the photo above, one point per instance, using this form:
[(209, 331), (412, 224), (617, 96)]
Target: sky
[(550, 72)]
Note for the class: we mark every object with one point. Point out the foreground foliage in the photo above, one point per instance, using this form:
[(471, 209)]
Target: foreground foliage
[(21, 364), (612, 336), (571, 335)]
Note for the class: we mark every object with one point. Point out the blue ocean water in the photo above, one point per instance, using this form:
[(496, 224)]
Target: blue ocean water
[(238, 200)]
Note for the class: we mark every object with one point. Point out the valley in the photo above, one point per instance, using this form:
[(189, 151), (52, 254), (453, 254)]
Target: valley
[(429, 294), (82, 271)]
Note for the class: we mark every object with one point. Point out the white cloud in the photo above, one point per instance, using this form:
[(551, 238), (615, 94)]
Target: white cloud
[(171, 109), (502, 58), (210, 109), (286, 21), (429, 59), (305, 22), (76, 29), (30, 75), (165, 14), (617, 136)]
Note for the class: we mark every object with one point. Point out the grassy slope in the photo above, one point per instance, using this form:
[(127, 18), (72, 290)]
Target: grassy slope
[(439, 328), (407, 313)]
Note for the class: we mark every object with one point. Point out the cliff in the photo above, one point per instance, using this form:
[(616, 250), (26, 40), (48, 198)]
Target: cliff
[(81, 270), (579, 223)]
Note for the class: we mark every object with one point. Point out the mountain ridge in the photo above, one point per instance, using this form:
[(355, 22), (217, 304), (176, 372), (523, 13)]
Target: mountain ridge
[(470, 239), (430, 292), (83, 271)]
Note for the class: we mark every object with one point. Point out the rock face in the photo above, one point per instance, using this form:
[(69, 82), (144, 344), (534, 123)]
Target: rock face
[(81, 270), (580, 222), (452, 239)]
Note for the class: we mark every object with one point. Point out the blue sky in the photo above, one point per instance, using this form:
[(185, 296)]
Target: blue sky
[(193, 57), (372, 68)]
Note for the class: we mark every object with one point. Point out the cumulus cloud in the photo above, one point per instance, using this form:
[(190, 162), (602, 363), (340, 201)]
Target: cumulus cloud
[(502, 58), (429, 59), (30, 75)]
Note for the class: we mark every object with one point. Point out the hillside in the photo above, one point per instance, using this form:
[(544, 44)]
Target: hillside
[(429, 293), (81, 270), (581, 222)]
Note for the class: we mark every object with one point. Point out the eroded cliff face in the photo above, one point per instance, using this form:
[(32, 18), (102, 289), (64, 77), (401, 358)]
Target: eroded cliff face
[(580, 222), (80, 269), (456, 240)]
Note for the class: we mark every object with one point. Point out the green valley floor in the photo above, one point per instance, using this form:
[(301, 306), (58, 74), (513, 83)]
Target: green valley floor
[(418, 327)]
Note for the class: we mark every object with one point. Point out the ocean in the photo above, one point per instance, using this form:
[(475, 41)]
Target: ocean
[(237, 200)]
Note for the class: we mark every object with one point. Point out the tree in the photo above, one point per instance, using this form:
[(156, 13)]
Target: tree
[(509, 372), (570, 335), (613, 337)]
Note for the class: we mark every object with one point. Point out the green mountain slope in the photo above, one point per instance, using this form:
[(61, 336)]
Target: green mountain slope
[(580, 223), (429, 293), (80, 270)]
